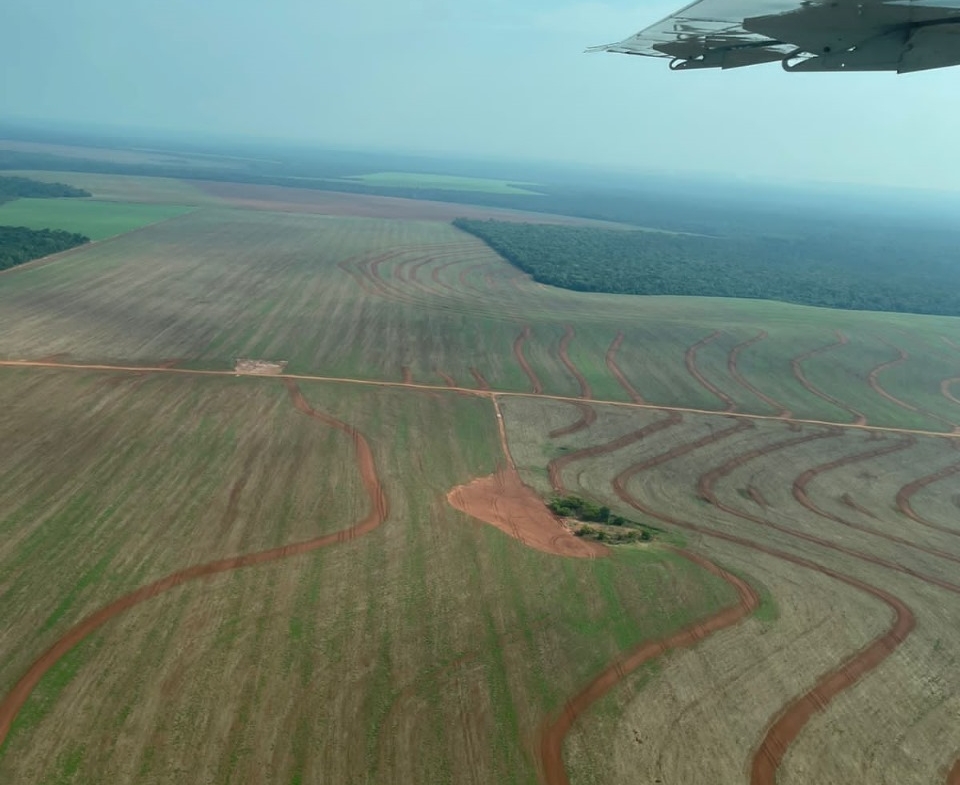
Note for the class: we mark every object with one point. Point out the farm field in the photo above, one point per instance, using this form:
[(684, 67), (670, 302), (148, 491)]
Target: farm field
[(95, 219), (795, 620)]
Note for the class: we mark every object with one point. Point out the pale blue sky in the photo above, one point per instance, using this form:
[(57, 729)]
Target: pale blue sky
[(503, 78)]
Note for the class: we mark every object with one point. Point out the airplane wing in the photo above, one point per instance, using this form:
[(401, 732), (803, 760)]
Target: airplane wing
[(804, 35)]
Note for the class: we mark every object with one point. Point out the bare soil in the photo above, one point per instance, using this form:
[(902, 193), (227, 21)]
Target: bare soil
[(735, 373), (259, 367), (611, 360), (568, 334), (502, 500), (796, 364), (690, 359)]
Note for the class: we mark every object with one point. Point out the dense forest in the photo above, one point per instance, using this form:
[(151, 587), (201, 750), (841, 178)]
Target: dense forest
[(19, 244), (20, 187), (835, 269)]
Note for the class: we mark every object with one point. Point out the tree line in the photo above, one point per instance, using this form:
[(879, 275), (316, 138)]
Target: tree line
[(19, 244), (834, 270), (24, 188)]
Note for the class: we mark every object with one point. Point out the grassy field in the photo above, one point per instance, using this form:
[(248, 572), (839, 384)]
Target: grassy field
[(122, 188), (440, 624), (809, 451), (97, 220)]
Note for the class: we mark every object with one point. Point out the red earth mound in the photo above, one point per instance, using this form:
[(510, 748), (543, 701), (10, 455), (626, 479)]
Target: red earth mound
[(505, 502)]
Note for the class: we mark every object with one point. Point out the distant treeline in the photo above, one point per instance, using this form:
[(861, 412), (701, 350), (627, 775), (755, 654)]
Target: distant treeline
[(20, 187), (19, 244), (834, 270)]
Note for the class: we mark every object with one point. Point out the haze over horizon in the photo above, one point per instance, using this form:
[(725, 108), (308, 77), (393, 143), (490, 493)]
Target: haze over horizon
[(488, 79)]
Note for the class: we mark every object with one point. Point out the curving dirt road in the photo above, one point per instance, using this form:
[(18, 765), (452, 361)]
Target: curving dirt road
[(535, 387), (611, 360), (557, 465), (782, 411), (447, 379), (379, 509), (945, 386), (690, 360), (588, 416), (874, 381), (585, 392), (482, 383), (800, 494), (784, 730), (795, 364), (553, 733), (907, 492)]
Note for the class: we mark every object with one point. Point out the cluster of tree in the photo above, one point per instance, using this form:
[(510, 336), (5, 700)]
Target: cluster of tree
[(614, 538), (834, 270), (19, 244), (21, 187), (587, 511)]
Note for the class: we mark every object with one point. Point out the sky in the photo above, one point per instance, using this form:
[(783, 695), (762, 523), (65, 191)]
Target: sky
[(488, 78)]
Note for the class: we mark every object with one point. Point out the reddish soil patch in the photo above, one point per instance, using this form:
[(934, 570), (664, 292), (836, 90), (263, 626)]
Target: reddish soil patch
[(447, 379), (588, 416), (907, 492), (795, 364), (407, 374), (535, 386), (502, 500), (690, 359), (482, 383), (611, 360), (568, 334), (797, 713), (953, 776), (735, 373), (12, 703), (307, 200), (553, 734)]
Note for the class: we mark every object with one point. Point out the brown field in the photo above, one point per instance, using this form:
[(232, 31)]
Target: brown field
[(248, 453)]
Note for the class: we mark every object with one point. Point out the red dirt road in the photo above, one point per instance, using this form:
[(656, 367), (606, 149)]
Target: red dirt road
[(585, 392), (611, 360), (787, 726), (588, 416), (907, 492), (902, 357), (482, 383), (535, 386), (690, 359), (732, 358), (554, 733), (502, 500), (795, 363), (14, 700)]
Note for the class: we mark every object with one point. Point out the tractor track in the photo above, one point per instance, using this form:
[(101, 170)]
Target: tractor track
[(796, 364), (690, 360), (568, 333), (782, 411), (611, 360), (13, 702)]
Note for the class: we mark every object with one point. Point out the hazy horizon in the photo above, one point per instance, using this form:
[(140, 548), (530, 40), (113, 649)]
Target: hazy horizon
[(482, 80)]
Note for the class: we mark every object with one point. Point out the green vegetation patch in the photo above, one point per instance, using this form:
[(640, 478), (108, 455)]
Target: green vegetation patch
[(443, 182), (20, 187), (19, 244), (832, 271), (586, 511), (96, 220)]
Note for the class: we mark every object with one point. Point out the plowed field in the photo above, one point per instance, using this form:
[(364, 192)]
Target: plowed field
[(343, 570)]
